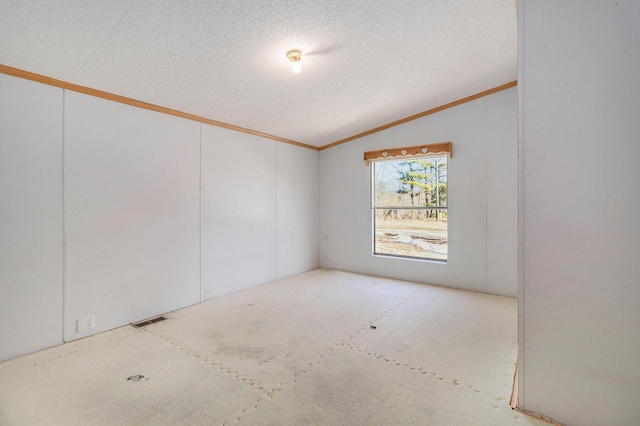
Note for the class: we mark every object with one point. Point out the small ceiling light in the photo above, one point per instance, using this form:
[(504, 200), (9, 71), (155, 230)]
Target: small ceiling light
[(295, 56)]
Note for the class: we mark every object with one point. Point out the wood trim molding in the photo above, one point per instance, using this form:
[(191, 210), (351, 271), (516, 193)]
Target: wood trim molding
[(4, 69), (409, 151), (139, 104), (513, 402), (424, 113)]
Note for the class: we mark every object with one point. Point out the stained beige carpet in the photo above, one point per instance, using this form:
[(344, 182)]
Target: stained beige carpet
[(293, 352)]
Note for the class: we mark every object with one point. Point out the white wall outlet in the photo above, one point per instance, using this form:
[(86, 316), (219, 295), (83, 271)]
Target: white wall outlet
[(459, 275), (86, 323)]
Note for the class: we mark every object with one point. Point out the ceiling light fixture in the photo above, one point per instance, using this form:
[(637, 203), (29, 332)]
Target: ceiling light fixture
[(295, 56)]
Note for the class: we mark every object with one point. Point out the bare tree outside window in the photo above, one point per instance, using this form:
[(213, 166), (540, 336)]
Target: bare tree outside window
[(409, 207)]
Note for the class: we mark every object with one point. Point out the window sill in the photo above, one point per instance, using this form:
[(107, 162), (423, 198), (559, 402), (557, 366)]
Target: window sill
[(412, 259)]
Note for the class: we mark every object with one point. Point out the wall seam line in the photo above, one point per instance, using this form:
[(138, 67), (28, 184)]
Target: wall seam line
[(200, 219), (486, 203), (276, 217), (65, 307), (521, 162)]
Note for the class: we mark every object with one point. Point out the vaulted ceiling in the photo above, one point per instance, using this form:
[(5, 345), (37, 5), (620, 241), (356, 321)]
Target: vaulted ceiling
[(365, 62)]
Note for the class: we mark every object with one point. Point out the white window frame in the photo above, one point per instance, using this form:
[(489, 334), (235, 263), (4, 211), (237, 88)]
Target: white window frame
[(374, 208)]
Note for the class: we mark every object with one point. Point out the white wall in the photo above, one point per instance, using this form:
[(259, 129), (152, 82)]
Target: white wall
[(580, 241), (155, 212), (259, 211), (132, 213), (298, 213), (238, 211), (30, 216), (502, 191), (482, 237)]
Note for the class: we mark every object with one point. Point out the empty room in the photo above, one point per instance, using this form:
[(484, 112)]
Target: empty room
[(319, 213)]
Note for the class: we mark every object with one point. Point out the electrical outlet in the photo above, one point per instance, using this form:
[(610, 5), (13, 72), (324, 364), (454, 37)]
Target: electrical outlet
[(459, 275), (86, 323)]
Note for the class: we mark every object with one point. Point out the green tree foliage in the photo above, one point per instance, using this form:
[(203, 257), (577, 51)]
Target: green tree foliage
[(409, 183), (424, 181)]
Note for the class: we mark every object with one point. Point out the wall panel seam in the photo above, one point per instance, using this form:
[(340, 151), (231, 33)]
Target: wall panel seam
[(64, 217), (486, 201), (200, 219)]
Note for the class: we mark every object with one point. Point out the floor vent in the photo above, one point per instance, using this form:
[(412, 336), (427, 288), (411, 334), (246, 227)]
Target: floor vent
[(149, 321)]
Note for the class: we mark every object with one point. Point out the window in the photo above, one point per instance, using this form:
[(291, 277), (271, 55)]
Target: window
[(409, 207)]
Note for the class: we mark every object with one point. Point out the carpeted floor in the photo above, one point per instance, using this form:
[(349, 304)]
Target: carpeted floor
[(321, 348)]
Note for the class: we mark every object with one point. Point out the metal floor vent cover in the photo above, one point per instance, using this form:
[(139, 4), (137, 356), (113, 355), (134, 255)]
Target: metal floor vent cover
[(149, 321)]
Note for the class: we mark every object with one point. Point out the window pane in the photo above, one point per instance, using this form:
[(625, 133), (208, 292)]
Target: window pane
[(411, 233), (410, 207), (411, 183)]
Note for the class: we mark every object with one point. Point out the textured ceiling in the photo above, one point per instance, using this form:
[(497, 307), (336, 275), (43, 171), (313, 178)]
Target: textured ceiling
[(365, 62)]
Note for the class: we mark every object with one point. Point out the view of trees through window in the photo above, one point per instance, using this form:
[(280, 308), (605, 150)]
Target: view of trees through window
[(410, 208)]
